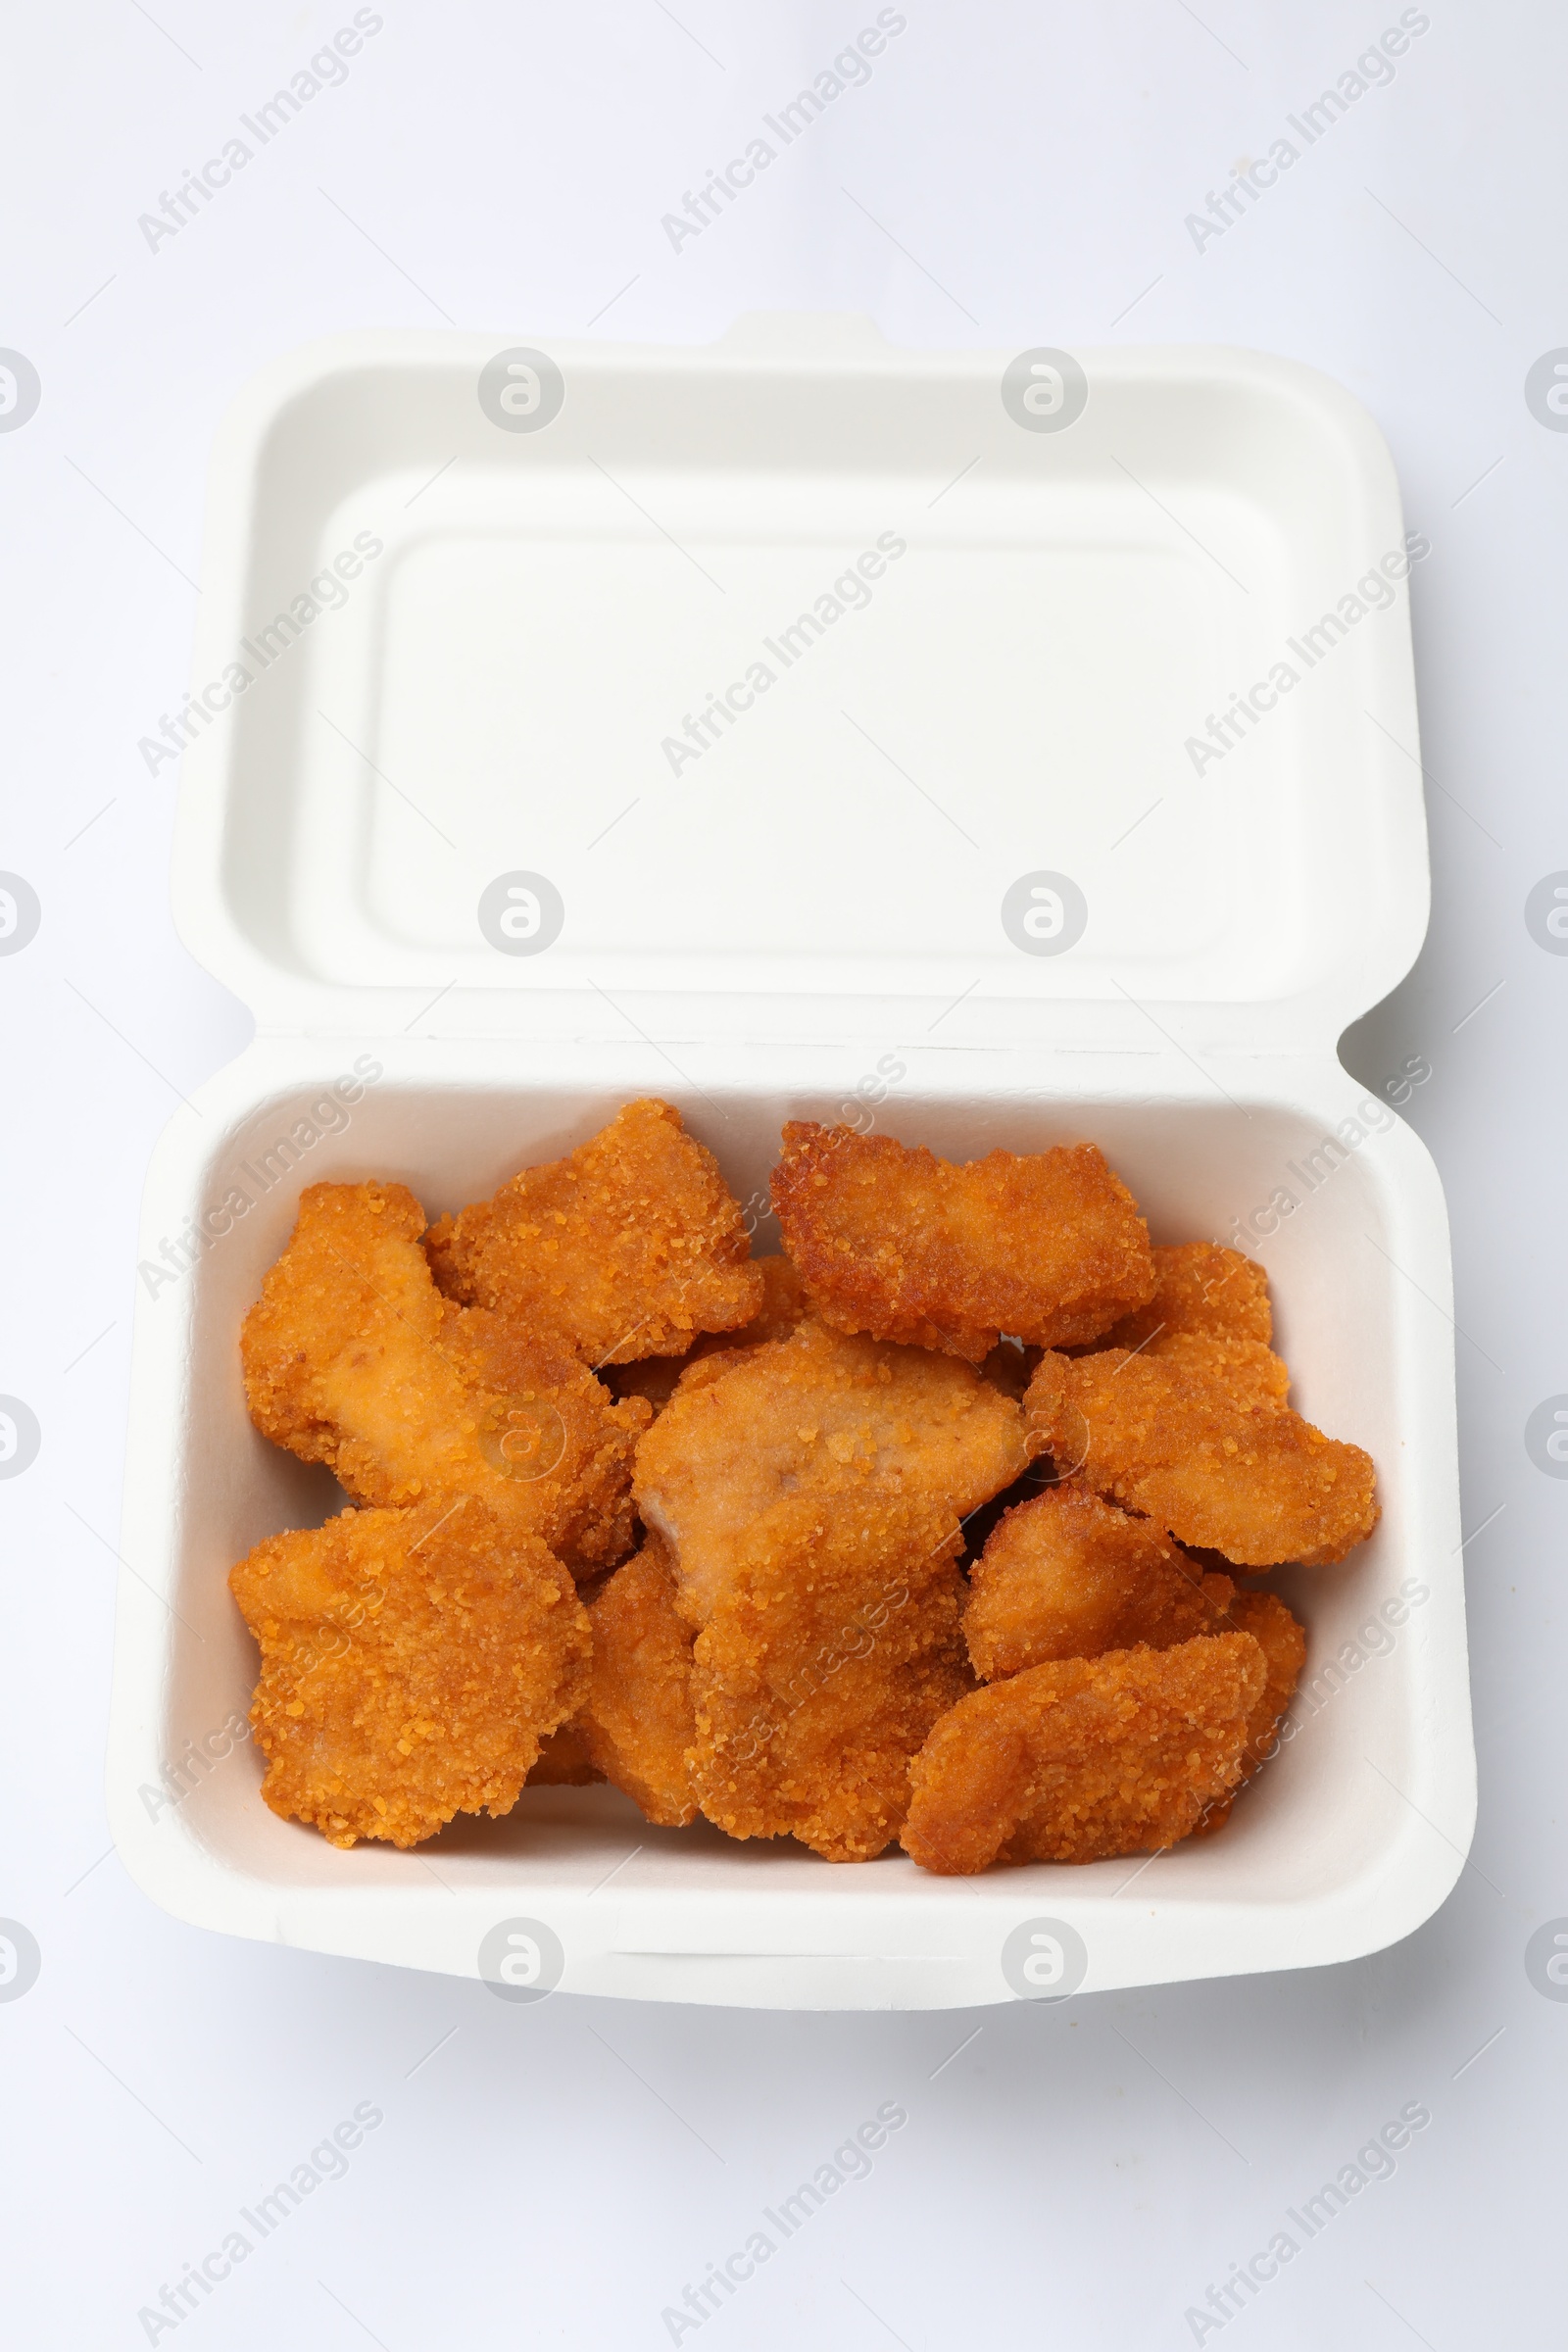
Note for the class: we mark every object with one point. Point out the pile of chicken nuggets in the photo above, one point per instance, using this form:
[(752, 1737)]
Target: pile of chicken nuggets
[(926, 1531)]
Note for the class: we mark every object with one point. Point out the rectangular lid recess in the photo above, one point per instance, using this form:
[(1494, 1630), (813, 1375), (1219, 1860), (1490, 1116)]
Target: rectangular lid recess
[(798, 669)]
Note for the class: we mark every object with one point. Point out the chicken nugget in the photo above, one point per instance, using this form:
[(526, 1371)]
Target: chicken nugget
[(1283, 1641), (1255, 1483), (856, 1447), (352, 1357), (629, 1247), (1067, 1575), (1200, 1286), (812, 1494), (783, 1305), (412, 1662), (1244, 1371), (1045, 1245), (813, 1691), (636, 1722), (1085, 1758), (1210, 1313)]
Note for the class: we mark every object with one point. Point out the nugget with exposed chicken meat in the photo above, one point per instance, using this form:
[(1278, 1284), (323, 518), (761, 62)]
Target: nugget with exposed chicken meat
[(867, 1447), (812, 1494), (352, 1357)]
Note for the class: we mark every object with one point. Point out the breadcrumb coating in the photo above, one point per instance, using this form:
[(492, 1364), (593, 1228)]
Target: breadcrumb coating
[(636, 1722), (628, 1248), (1045, 1245), (783, 1305), (813, 1691), (1200, 1286), (352, 1357), (1085, 1758), (1211, 1314), (1255, 1483), (1283, 1641), (857, 1449), (412, 1662), (812, 1494), (1067, 1575), (1244, 1372)]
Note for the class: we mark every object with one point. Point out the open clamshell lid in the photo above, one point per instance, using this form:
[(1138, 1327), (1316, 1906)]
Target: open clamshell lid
[(749, 685)]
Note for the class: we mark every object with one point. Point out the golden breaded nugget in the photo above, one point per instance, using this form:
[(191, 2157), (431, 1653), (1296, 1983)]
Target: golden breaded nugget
[(629, 1247), (1045, 1245), (1256, 1483), (813, 1689), (1244, 1371), (1281, 1638), (1211, 1314), (1283, 1641), (412, 1661), (850, 1446), (1085, 1758), (1200, 1286), (783, 1305), (811, 1493), (352, 1357), (1066, 1575), (636, 1722)]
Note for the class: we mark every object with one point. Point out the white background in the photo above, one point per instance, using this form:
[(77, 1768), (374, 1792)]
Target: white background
[(1011, 175)]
